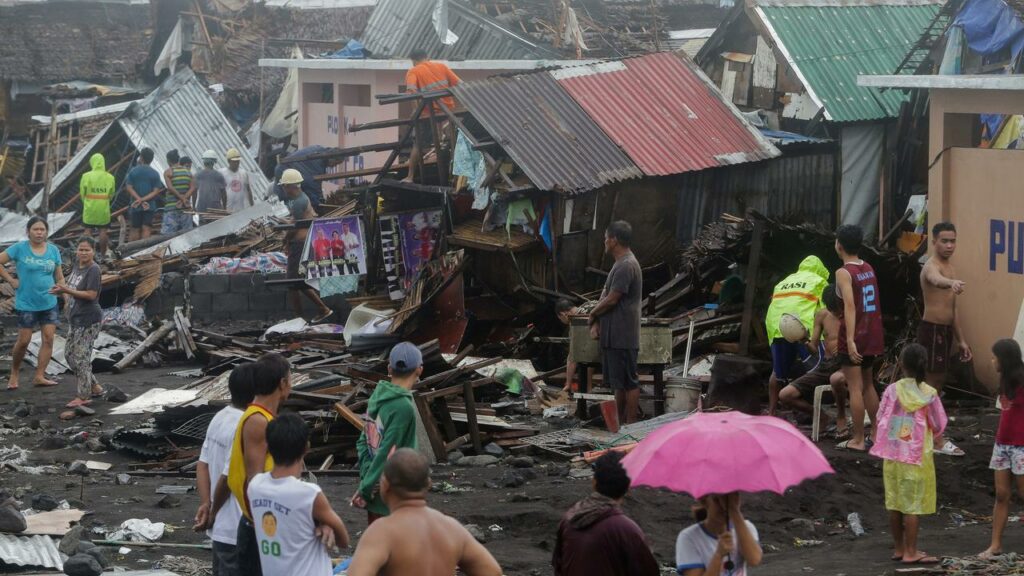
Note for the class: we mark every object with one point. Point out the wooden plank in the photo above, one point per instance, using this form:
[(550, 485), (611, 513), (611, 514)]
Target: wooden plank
[(471, 416), (751, 289), (445, 415), (433, 433), (483, 420), (349, 416)]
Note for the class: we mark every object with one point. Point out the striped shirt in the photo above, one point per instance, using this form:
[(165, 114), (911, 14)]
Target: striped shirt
[(181, 180)]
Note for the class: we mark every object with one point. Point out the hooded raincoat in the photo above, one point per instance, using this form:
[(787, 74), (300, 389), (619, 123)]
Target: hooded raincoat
[(798, 294), (390, 424), (909, 417), (97, 190)]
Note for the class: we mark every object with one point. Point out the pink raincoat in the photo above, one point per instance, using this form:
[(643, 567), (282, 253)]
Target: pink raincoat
[(909, 416)]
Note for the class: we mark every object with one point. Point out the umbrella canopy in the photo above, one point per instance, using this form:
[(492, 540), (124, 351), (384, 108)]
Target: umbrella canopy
[(723, 452)]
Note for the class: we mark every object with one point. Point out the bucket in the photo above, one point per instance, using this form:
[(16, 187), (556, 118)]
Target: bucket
[(611, 415), (681, 394)]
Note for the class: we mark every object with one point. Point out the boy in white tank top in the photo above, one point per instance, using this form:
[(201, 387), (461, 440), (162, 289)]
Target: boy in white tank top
[(287, 511)]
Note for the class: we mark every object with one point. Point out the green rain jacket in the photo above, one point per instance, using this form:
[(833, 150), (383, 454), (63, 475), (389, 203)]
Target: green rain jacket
[(97, 190), (798, 294), (390, 425)]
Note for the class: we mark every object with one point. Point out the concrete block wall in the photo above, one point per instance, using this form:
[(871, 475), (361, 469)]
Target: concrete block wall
[(217, 297)]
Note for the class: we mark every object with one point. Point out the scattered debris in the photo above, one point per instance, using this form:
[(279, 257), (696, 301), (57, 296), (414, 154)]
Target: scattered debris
[(138, 530)]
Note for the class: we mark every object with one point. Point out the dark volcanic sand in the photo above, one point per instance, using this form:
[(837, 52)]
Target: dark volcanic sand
[(523, 544)]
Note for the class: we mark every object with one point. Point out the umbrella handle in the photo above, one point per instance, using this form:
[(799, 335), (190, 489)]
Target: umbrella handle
[(729, 564)]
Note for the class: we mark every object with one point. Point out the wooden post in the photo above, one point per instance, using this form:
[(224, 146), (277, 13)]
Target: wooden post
[(584, 387), (51, 150), (659, 389), (469, 397), (754, 263), (446, 417), (433, 433)]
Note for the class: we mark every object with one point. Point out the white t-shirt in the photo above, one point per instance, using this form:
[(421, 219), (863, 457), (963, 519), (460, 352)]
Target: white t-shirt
[(237, 189), (216, 453), (695, 546), (282, 510)]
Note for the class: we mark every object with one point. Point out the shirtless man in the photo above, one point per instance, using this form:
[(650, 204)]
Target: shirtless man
[(415, 539), (825, 343), (940, 324)]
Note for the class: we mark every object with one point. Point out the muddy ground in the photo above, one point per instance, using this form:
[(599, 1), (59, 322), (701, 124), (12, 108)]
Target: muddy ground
[(520, 523)]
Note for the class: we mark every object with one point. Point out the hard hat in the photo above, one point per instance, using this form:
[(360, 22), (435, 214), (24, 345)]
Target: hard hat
[(793, 330), (291, 176), (233, 154), (209, 155)]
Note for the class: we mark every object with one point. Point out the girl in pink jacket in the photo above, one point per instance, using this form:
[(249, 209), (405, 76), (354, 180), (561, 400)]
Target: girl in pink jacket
[(909, 417)]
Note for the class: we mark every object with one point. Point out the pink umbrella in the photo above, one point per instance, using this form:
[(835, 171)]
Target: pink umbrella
[(723, 452)]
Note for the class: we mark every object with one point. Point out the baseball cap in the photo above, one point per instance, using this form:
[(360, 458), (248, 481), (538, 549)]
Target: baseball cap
[(405, 357)]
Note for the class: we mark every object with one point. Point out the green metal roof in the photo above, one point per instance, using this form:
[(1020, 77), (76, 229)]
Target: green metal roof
[(830, 42)]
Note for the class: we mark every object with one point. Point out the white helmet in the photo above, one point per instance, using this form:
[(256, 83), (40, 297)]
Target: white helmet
[(291, 176), (793, 330), (209, 155)]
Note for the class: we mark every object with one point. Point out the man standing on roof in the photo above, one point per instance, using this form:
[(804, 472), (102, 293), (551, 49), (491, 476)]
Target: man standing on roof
[(144, 185), (799, 296), (181, 186), (427, 76), (211, 188), (97, 190), (239, 189)]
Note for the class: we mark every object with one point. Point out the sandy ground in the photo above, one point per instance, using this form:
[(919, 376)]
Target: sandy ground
[(521, 522)]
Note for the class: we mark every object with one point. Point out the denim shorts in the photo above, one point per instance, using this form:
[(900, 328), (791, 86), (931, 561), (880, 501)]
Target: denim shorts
[(33, 320)]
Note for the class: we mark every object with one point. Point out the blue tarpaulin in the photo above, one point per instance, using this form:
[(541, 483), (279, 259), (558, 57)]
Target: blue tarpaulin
[(991, 26), (354, 50)]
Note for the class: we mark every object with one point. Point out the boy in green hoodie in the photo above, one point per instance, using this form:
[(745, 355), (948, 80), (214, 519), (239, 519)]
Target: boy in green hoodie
[(97, 190), (390, 424)]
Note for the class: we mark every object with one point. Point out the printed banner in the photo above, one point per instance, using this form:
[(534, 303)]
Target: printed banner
[(408, 241), (335, 247)]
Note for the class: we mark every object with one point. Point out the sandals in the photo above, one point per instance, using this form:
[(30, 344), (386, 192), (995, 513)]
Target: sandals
[(845, 446), (950, 449), (923, 559), (323, 317)]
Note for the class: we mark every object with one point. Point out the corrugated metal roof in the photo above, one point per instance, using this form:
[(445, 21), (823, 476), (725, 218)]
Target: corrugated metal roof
[(180, 114), (397, 27), (29, 551), (830, 42), (546, 132), (665, 114)]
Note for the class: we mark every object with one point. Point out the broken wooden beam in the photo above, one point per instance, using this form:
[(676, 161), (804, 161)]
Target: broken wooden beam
[(150, 341)]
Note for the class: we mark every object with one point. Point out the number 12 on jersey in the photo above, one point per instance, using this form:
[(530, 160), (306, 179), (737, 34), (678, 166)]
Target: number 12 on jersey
[(870, 298)]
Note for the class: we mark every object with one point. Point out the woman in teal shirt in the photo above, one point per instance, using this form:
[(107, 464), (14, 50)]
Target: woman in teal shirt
[(38, 265)]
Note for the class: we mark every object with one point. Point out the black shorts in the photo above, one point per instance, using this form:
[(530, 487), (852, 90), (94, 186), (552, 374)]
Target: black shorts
[(844, 360), (819, 376), (618, 367), (138, 217), (424, 133), (294, 260)]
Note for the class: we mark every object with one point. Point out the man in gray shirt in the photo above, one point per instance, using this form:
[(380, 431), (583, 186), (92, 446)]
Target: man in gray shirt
[(616, 321), (211, 188)]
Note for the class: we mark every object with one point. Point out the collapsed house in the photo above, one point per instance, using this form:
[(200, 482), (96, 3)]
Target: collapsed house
[(180, 114), (798, 62)]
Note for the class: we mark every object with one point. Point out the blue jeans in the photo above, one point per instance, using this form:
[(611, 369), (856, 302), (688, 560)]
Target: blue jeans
[(35, 319), (175, 222)]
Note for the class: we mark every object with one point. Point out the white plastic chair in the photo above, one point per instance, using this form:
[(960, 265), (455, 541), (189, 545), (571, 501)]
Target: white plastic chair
[(819, 391)]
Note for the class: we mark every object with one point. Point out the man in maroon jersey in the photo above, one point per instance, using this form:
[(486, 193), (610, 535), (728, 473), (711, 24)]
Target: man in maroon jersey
[(860, 331)]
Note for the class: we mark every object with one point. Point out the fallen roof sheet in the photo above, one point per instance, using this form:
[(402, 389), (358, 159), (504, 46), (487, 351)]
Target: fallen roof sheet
[(783, 138), (12, 224), (665, 114), (829, 43), (397, 27), (217, 229), (546, 132), (86, 114), (29, 551), (179, 114)]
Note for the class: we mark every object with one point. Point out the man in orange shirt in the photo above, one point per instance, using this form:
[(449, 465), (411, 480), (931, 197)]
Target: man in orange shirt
[(427, 76)]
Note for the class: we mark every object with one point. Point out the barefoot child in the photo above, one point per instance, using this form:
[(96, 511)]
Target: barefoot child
[(909, 418), (1008, 454)]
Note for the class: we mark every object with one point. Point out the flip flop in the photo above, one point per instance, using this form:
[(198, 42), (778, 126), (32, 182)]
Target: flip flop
[(950, 449), (845, 446), (925, 559), (320, 319), (11, 388), (989, 555), (45, 384), (896, 558), (77, 402)]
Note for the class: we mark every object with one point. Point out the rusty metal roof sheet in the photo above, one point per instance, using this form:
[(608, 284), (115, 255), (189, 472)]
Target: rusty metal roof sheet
[(665, 113), (546, 133)]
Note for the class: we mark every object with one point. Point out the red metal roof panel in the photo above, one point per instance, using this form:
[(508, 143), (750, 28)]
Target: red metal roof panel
[(664, 113)]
